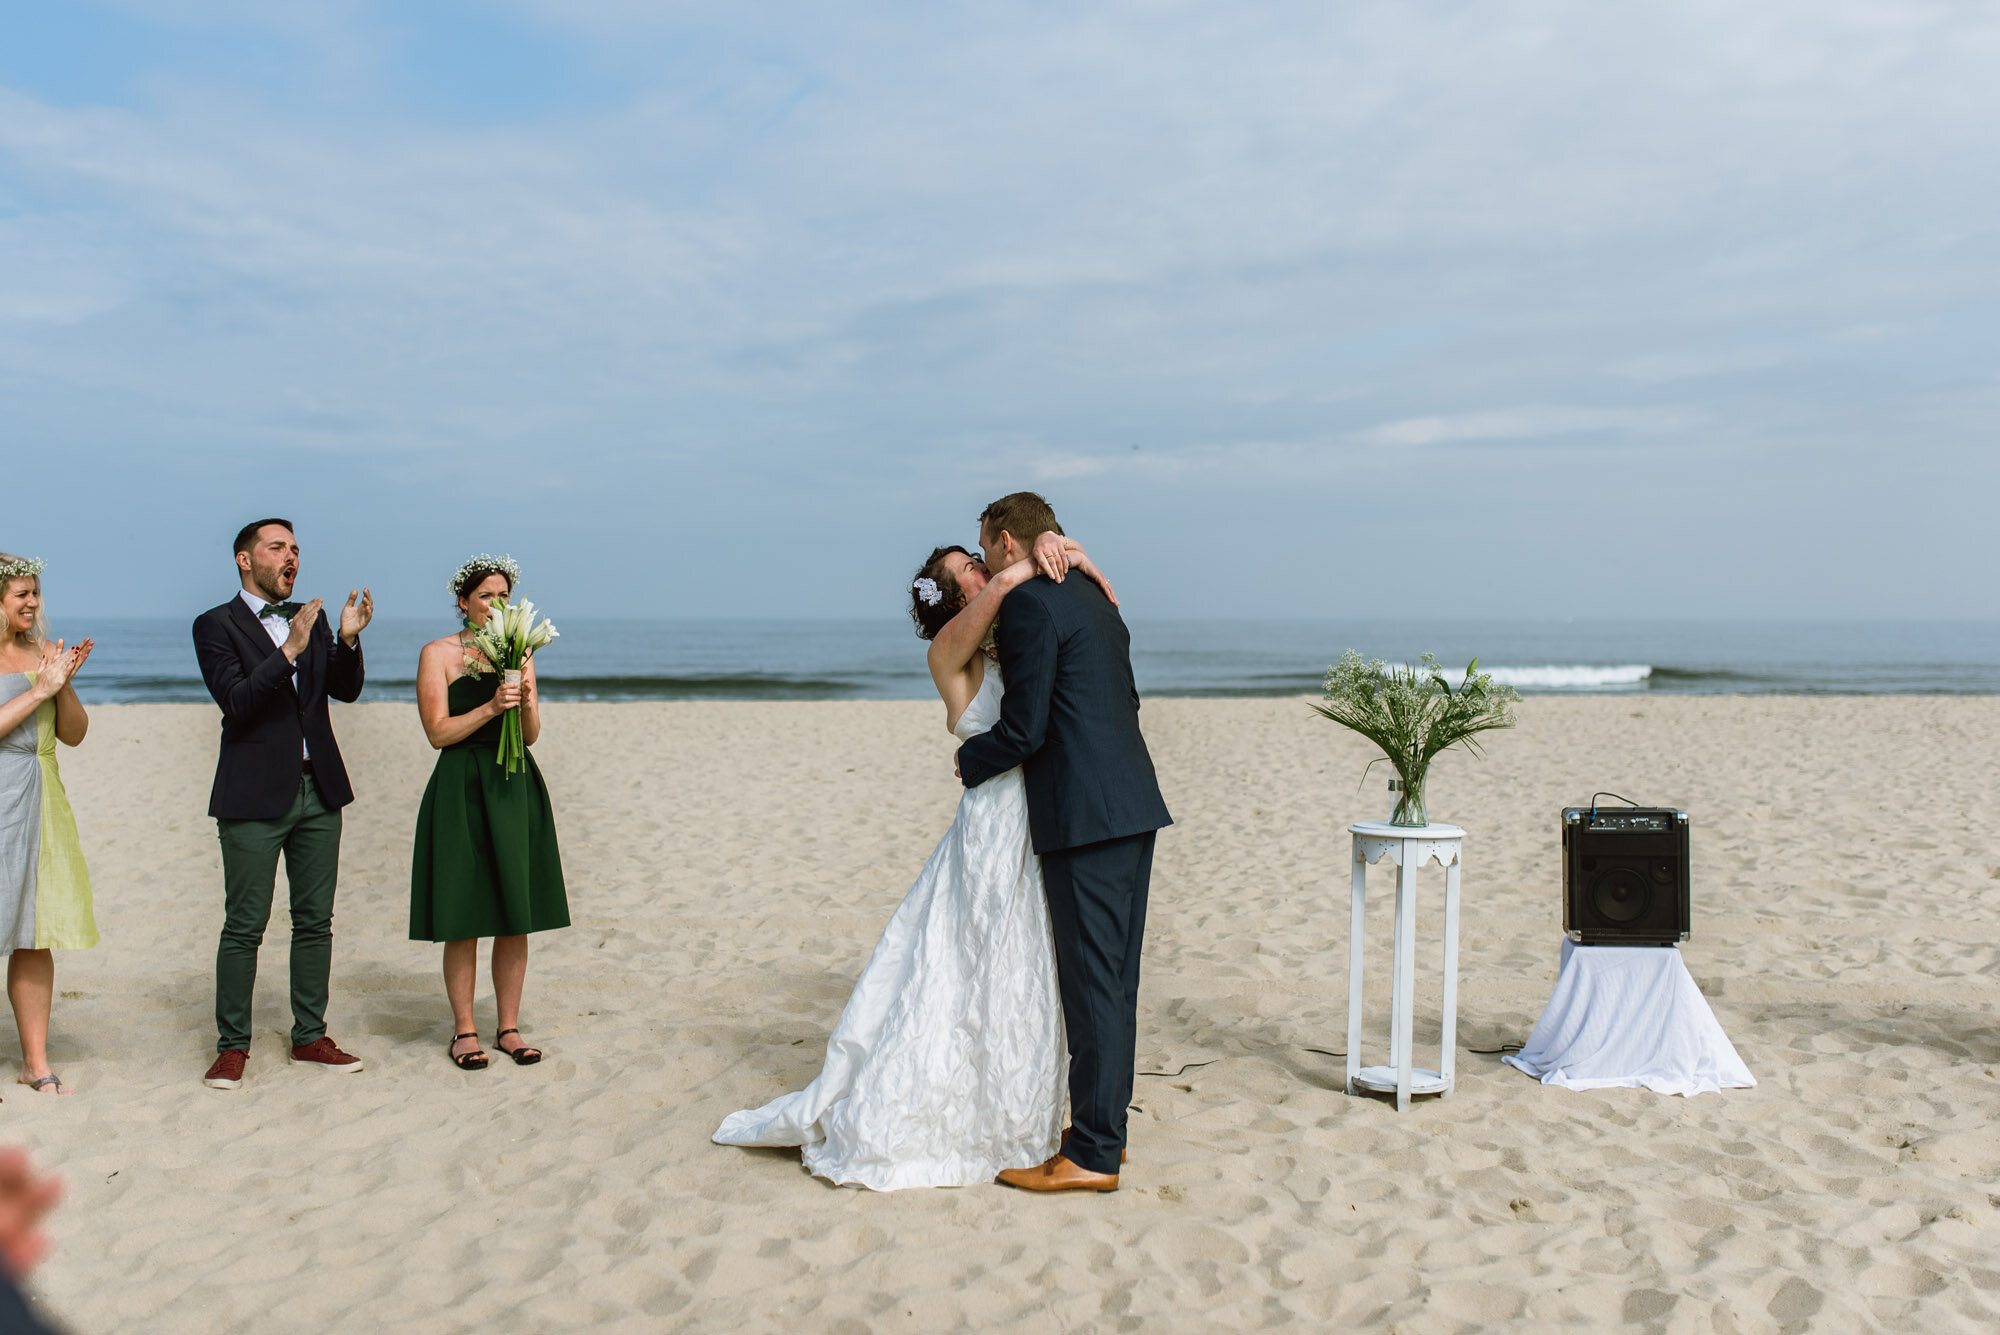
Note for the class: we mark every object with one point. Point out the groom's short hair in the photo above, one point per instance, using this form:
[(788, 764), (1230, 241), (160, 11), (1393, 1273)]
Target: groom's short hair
[(246, 537), (1024, 514)]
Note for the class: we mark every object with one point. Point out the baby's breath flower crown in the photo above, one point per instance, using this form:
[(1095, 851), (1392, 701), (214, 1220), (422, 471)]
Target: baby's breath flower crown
[(482, 564), (27, 567)]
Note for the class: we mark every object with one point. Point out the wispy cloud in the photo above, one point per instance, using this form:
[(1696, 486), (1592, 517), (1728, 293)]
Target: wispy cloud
[(1521, 424)]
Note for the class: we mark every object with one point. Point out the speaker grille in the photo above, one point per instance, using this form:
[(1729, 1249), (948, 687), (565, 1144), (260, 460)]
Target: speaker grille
[(1620, 895)]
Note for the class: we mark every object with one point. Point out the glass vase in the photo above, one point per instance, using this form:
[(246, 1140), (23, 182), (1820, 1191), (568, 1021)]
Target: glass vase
[(1409, 802)]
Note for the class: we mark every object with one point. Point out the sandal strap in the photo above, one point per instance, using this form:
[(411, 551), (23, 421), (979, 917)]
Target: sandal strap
[(503, 1033), (50, 1079)]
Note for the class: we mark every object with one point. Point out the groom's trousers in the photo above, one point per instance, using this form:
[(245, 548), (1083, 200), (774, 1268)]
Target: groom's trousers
[(1097, 913), (308, 837)]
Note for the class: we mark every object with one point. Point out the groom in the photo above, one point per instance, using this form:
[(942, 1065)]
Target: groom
[(279, 786), (1070, 718)]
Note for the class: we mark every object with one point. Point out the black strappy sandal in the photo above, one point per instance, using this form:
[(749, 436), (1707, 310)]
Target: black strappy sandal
[(523, 1055), (474, 1060)]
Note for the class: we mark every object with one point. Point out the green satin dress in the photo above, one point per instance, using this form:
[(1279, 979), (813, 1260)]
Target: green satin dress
[(486, 861)]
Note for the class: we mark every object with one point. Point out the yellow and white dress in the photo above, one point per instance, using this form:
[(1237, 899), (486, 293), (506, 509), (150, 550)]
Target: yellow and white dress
[(44, 886)]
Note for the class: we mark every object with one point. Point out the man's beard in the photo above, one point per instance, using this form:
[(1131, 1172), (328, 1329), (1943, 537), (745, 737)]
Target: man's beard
[(267, 584)]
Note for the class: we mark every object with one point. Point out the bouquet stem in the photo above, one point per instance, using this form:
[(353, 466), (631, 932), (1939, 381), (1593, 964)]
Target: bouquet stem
[(512, 754)]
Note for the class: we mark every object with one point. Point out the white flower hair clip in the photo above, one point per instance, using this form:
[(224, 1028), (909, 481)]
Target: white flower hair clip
[(928, 590)]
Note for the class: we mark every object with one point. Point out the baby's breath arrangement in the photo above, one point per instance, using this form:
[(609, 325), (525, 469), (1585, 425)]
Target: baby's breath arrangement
[(1414, 714)]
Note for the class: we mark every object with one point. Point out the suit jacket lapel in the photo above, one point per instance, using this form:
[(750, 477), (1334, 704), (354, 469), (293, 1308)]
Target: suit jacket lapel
[(260, 639)]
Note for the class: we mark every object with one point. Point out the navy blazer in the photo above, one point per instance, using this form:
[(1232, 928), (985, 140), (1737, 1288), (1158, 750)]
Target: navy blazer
[(265, 720), (1069, 716)]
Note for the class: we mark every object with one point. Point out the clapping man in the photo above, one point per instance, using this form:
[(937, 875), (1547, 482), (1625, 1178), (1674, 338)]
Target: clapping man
[(271, 664)]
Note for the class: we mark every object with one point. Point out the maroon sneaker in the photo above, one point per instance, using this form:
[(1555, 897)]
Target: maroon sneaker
[(227, 1073), (322, 1053)]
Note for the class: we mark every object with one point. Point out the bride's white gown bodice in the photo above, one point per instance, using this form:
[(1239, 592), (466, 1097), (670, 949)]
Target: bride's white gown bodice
[(948, 1063)]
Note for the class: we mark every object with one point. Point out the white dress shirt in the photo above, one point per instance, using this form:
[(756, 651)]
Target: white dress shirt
[(279, 630)]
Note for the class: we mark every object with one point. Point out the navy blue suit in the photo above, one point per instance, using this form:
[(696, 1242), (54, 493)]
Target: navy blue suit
[(1069, 717), (265, 719)]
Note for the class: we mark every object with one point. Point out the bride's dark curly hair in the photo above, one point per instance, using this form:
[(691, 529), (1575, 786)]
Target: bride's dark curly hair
[(931, 617)]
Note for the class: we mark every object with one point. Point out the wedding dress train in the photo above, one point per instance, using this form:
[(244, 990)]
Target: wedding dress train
[(948, 1063)]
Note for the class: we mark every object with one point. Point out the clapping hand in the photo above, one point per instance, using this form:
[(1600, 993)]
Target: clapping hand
[(302, 624), (56, 668), (354, 617)]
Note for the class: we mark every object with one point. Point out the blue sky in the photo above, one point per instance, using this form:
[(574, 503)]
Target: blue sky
[(1292, 309)]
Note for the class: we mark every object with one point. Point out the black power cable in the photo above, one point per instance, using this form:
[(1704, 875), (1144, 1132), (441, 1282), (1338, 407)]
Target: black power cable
[(1593, 803), (1189, 1067)]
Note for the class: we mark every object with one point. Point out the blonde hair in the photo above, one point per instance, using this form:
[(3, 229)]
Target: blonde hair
[(39, 631)]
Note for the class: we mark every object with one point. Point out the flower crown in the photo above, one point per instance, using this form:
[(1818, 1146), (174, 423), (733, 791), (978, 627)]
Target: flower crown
[(25, 567), (928, 590), (488, 565)]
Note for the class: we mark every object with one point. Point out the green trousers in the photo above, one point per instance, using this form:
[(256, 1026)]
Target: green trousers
[(309, 837)]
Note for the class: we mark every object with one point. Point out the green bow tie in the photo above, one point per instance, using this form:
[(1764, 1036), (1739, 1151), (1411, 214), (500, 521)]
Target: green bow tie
[(285, 610)]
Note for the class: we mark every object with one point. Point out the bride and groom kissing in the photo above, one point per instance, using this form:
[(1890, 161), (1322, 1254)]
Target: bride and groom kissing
[(1011, 968)]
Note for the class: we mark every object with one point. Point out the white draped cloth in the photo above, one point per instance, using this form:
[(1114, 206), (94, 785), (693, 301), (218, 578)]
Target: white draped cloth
[(948, 1063), (1630, 1016)]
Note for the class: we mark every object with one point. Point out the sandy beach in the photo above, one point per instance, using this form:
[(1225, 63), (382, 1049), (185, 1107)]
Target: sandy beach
[(729, 867)]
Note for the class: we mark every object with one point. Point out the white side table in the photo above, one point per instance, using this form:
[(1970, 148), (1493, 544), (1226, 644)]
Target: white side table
[(1410, 847)]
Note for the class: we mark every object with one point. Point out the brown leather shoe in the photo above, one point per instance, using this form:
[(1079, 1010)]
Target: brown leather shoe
[(1064, 1147), (321, 1052), (227, 1072), (1058, 1174)]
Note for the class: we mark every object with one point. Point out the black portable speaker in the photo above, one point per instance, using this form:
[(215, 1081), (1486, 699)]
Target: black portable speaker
[(1625, 876)]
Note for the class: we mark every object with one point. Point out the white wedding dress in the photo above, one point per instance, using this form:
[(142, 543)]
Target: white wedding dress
[(948, 1063)]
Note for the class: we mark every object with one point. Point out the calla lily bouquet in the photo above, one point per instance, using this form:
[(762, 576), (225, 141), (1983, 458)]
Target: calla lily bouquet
[(509, 639)]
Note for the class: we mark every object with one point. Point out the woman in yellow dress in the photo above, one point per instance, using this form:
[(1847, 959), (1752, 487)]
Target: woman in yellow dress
[(44, 887)]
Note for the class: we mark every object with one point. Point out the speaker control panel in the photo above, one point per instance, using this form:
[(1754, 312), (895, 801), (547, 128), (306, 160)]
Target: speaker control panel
[(1630, 822)]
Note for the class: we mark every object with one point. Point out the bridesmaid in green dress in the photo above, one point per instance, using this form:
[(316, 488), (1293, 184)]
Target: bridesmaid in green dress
[(486, 861)]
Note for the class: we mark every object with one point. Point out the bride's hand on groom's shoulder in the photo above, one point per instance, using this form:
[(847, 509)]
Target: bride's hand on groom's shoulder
[(1098, 575), (1078, 559), (1052, 556), (1056, 555)]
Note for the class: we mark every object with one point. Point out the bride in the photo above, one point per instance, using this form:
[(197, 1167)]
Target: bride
[(948, 1063)]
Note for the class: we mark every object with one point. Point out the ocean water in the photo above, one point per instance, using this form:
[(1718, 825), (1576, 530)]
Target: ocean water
[(153, 660)]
